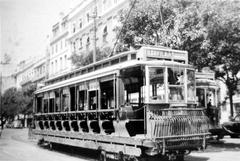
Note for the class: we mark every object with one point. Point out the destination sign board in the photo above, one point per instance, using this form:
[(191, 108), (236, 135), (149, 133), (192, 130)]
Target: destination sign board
[(164, 53)]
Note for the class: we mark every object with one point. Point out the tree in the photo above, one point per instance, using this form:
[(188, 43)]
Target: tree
[(27, 102), (208, 30), (224, 40), (18, 101), (174, 24), (10, 103), (6, 59), (86, 57)]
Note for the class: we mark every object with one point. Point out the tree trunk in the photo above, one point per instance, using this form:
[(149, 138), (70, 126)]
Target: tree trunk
[(231, 102)]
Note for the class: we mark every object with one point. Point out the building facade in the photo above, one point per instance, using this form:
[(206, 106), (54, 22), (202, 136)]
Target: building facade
[(31, 71), (7, 82), (59, 49), (82, 37)]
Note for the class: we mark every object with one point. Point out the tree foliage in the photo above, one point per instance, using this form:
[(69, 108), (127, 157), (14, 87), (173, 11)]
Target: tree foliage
[(224, 44), (174, 24), (86, 57), (208, 29), (17, 101)]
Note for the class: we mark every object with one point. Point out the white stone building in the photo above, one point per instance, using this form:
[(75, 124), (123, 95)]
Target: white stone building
[(31, 71), (59, 49), (81, 22)]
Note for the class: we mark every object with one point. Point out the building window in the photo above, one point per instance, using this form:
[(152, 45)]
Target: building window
[(65, 61), (104, 5), (56, 47), (74, 46), (56, 66), (73, 28), (52, 70), (60, 63), (52, 49), (88, 43), (80, 43), (105, 34), (88, 17), (80, 23), (61, 44)]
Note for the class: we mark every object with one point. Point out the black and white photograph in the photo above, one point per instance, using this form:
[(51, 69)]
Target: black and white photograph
[(119, 80)]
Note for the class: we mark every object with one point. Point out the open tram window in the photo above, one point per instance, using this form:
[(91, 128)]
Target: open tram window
[(176, 84), (82, 99), (51, 101), (157, 86), (201, 97), (39, 104), (191, 85), (65, 102), (45, 105), (51, 105), (93, 100), (57, 101), (72, 98), (133, 86), (107, 95)]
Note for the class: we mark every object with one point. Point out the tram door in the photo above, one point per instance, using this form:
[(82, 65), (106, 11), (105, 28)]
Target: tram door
[(207, 98)]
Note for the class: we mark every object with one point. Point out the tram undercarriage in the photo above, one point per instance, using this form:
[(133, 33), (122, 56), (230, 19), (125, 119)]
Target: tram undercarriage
[(167, 135)]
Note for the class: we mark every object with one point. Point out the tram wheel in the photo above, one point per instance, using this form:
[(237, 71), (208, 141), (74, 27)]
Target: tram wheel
[(40, 142), (102, 156)]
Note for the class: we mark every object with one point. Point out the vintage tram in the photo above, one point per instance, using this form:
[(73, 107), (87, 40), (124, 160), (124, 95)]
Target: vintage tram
[(207, 92), (136, 104)]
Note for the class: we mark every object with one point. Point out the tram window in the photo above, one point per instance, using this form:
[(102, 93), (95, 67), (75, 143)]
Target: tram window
[(93, 100), (82, 100), (133, 83), (176, 84), (51, 105), (73, 98), (39, 104), (175, 76), (57, 101), (211, 96), (176, 93), (45, 105), (65, 102), (201, 97), (107, 95), (133, 56), (157, 87), (190, 85)]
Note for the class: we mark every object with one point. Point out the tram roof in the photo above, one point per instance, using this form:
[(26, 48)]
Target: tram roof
[(108, 71), (144, 53)]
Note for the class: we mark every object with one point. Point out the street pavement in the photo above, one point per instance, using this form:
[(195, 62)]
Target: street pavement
[(15, 146)]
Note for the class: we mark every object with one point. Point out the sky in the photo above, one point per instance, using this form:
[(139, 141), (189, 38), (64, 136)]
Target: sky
[(24, 26)]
